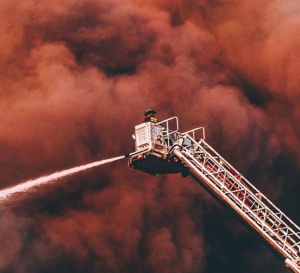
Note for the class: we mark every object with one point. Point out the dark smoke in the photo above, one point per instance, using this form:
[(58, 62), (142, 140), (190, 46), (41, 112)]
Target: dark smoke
[(76, 76)]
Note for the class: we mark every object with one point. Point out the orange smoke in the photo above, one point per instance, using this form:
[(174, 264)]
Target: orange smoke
[(76, 76)]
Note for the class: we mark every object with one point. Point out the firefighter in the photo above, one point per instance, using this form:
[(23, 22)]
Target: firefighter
[(150, 116)]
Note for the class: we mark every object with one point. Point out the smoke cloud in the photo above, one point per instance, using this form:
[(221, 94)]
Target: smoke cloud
[(76, 76)]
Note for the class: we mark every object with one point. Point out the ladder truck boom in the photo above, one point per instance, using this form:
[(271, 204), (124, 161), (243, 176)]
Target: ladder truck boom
[(161, 149)]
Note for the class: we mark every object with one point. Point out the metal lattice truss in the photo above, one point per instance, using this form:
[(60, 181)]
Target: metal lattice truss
[(229, 186)]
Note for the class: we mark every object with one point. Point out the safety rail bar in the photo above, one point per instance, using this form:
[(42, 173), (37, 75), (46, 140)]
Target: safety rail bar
[(165, 123), (192, 133), (169, 134)]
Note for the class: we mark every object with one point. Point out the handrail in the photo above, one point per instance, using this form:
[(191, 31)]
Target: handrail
[(166, 122), (193, 132)]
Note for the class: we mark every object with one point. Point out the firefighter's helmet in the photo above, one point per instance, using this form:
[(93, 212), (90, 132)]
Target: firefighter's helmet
[(149, 112)]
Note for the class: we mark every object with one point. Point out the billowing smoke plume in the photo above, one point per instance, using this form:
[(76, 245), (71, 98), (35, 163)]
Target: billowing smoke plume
[(76, 76)]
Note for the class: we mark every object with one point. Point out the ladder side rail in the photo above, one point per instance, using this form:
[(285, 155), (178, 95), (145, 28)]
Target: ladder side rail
[(212, 151), (239, 208), (240, 205), (239, 188), (202, 146), (276, 219), (264, 198)]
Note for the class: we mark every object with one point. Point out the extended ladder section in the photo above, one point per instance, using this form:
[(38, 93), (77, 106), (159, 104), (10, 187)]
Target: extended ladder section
[(225, 183), (160, 150)]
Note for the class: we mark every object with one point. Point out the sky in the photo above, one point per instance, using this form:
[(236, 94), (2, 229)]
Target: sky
[(76, 77)]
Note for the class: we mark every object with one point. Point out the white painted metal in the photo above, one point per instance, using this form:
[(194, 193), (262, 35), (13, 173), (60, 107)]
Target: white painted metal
[(228, 185), (223, 181)]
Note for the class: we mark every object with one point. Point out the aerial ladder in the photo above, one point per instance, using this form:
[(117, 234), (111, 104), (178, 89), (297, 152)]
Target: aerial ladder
[(161, 149)]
